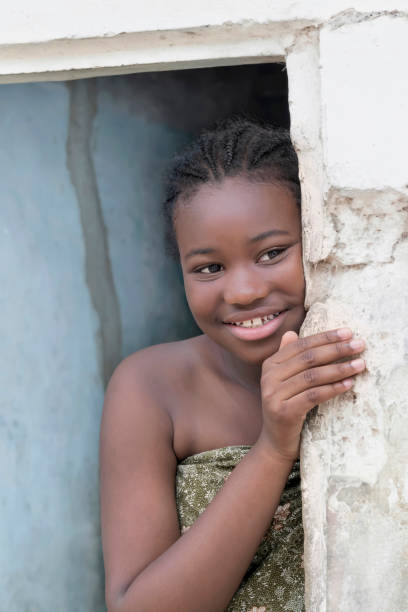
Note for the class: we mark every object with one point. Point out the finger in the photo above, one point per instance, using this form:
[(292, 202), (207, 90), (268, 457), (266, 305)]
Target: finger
[(301, 404), (316, 377), (287, 338), (303, 344), (318, 356)]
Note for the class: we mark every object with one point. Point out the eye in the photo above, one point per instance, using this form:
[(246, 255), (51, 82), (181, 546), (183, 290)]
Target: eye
[(271, 254), (210, 269)]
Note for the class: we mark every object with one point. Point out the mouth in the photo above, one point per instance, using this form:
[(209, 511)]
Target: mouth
[(256, 322), (258, 327)]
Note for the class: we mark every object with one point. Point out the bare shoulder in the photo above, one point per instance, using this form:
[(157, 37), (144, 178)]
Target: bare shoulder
[(138, 463), (138, 392), (155, 369)]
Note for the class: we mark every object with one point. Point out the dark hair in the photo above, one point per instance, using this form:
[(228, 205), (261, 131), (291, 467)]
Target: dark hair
[(235, 147)]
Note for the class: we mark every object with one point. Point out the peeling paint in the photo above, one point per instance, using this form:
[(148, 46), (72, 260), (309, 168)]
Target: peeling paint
[(98, 269), (373, 218)]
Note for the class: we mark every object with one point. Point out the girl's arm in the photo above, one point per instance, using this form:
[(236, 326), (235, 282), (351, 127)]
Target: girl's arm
[(149, 567)]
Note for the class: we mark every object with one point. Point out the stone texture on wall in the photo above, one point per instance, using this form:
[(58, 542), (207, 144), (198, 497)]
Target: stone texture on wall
[(355, 449)]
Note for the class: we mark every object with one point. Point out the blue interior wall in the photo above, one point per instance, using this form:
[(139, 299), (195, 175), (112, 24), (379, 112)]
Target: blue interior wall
[(84, 282), (50, 378)]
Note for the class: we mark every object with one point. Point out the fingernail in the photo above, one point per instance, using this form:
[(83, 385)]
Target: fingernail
[(348, 382), (357, 364), (344, 333), (357, 344)]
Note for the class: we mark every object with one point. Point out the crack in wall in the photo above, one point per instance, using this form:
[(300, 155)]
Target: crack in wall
[(351, 16), (98, 269)]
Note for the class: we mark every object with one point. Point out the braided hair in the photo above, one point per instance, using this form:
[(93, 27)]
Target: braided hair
[(236, 147)]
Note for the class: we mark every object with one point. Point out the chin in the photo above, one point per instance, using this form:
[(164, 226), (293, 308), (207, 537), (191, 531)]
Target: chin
[(251, 353), (256, 354)]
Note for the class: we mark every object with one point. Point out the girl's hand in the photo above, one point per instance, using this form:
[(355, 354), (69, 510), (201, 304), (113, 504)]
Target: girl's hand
[(300, 375)]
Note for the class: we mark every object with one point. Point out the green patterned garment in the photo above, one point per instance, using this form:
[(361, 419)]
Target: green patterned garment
[(274, 581)]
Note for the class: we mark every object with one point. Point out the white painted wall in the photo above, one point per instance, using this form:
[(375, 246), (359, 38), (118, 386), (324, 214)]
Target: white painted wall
[(54, 40), (46, 20), (349, 103), (364, 97)]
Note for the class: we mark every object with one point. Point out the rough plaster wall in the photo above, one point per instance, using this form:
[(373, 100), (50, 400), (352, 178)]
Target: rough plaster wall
[(63, 235), (61, 41), (67, 217), (354, 452), (25, 21), (51, 389)]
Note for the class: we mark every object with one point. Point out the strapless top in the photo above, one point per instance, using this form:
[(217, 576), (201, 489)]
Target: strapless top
[(274, 581)]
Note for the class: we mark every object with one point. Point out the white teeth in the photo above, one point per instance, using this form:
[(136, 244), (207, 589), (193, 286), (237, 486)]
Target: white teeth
[(252, 322), (257, 322)]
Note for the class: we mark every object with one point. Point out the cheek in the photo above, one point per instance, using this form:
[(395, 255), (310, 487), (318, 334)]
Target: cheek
[(300, 278), (201, 297), (297, 273)]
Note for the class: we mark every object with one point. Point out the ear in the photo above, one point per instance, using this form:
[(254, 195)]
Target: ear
[(287, 338)]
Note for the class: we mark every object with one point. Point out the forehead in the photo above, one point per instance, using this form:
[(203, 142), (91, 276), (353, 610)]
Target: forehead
[(235, 210)]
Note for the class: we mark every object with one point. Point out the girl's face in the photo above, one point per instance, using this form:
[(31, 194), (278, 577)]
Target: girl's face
[(241, 256)]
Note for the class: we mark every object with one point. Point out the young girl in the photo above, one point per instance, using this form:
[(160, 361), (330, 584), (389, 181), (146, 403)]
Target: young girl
[(200, 488)]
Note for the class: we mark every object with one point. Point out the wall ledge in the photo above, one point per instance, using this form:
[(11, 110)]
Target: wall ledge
[(72, 58)]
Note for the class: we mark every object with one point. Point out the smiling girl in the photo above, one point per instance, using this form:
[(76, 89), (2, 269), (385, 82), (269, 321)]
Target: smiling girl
[(200, 487)]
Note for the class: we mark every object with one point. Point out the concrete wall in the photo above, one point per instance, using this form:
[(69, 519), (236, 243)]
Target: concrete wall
[(47, 40), (45, 20), (353, 162), (85, 281)]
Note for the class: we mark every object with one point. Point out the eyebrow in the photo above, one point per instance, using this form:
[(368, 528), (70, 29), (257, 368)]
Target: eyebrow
[(199, 252), (257, 238), (268, 234)]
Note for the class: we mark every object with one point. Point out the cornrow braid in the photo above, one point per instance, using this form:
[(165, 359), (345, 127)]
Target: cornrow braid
[(235, 147)]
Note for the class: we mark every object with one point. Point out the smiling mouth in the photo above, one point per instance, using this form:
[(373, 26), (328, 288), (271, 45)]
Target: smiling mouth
[(257, 322)]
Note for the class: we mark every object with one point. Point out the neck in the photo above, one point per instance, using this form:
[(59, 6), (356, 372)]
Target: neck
[(247, 375)]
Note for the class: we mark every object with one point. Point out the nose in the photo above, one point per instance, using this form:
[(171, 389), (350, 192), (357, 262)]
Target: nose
[(244, 286)]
